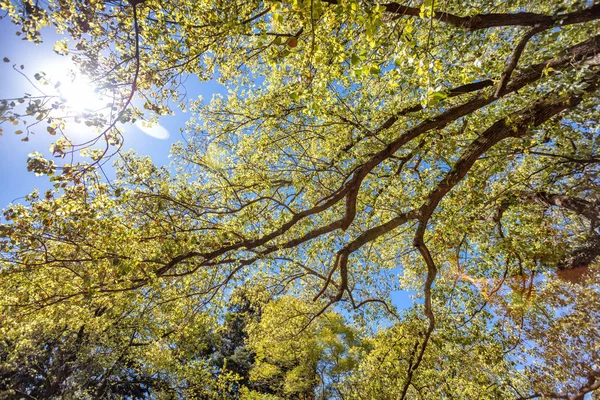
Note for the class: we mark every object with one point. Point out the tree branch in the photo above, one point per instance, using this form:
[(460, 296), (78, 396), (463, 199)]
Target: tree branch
[(512, 63), (485, 21)]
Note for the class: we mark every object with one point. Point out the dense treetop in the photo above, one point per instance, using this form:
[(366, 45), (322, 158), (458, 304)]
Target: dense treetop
[(441, 148)]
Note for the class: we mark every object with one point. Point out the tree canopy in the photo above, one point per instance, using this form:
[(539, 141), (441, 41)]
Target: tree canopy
[(448, 150)]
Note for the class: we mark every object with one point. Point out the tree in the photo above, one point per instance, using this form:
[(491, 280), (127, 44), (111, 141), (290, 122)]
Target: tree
[(57, 363), (310, 363), (233, 353), (358, 141)]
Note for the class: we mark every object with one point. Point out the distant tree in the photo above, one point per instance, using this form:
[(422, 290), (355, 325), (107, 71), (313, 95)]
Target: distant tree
[(297, 360), (59, 364)]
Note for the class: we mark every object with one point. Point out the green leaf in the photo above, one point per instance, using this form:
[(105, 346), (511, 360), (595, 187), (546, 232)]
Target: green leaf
[(61, 47)]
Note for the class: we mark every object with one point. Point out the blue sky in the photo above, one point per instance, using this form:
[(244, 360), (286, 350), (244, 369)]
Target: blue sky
[(15, 180)]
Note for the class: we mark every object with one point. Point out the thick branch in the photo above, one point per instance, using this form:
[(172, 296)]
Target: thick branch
[(514, 59), (526, 118), (534, 116), (582, 257), (592, 384), (586, 208), (484, 21), (586, 254), (577, 53)]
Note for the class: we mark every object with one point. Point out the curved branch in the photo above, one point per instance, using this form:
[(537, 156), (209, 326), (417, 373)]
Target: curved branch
[(431, 274), (531, 116), (528, 117), (514, 59)]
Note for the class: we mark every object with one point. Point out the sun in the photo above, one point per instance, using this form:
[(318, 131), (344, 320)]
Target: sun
[(79, 94), (75, 90)]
